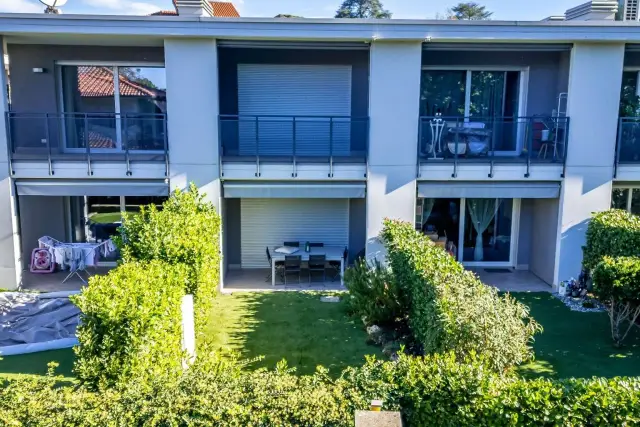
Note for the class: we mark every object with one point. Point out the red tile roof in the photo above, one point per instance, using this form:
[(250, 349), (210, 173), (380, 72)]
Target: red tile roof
[(98, 82), (221, 9)]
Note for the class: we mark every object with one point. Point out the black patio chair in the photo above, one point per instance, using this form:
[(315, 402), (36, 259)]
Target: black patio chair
[(318, 264), (335, 265), (292, 244), (279, 267), (292, 265)]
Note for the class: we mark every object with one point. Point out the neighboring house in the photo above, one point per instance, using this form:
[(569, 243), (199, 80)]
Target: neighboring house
[(220, 9), (499, 139)]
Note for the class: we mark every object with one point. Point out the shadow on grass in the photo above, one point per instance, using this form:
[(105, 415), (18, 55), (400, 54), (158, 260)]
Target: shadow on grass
[(576, 344), (295, 326), (36, 363)]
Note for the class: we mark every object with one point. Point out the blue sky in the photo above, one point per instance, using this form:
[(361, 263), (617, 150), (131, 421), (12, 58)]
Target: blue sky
[(503, 9)]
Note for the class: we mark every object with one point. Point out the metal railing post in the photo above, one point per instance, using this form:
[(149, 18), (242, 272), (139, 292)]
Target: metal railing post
[(367, 130), (455, 154), (123, 118), (47, 136), (220, 146), (492, 153), (257, 148), (565, 144), (330, 147), (86, 142), (165, 141), (616, 160), (419, 147), (293, 171), (529, 134)]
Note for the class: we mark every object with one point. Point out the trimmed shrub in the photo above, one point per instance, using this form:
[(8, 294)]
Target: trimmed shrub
[(435, 390), (450, 309), (186, 231), (374, 294), (130, 324), (616, 282), (611, 233)]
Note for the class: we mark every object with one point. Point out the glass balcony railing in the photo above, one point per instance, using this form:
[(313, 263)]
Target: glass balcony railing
[(87, 137), (294, 139), (493, 140), (628, 144)]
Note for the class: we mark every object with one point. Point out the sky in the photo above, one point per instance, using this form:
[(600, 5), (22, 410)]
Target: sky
[(409, 9)]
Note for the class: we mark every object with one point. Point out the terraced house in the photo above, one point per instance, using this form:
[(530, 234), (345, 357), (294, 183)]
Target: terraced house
[(498, 139)]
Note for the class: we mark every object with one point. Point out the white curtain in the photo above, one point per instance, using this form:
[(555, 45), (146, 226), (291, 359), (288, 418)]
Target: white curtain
[(481, 211), (427, 207)]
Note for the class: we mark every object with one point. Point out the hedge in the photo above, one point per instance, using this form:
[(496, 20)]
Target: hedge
[(611, 233), (450, 309), (186, 231), (433, 391), (130, 324)]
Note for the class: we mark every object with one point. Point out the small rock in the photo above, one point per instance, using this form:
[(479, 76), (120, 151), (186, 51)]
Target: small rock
[(376, 334), (330, 299)]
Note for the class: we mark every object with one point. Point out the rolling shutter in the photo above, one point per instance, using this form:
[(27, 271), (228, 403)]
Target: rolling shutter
[(288, 90), (270, 222)]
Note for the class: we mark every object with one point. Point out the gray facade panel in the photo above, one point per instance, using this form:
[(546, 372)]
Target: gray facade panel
[(357, 227), (233, 232), (524, 234), (33, 224), (543, 242)]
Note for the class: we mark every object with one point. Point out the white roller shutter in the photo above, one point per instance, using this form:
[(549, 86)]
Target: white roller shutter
[(294, 90), (270, 222)]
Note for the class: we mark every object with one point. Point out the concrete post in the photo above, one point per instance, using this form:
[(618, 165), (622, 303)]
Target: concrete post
[(394, 99), (595, 78)]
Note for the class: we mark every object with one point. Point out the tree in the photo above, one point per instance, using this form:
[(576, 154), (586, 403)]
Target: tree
[(469, 11), (286, 15), (366, 9)]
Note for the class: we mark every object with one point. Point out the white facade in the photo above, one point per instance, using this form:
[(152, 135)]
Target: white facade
[(546, 234)]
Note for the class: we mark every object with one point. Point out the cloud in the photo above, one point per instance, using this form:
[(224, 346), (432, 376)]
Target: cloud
[(20, 6), (124, 7)]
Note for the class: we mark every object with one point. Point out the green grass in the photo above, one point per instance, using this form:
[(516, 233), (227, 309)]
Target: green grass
[(36, 363), (576, 344), (295, 326), (106, 217)]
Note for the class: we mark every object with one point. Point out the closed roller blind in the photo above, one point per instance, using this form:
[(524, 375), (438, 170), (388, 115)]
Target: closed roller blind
[(294, 90), (270, 222)]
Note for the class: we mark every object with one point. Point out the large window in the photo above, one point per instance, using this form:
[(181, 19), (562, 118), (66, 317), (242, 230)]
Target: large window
[(97, 218), (627, 198), (113, 108), (475, 231)]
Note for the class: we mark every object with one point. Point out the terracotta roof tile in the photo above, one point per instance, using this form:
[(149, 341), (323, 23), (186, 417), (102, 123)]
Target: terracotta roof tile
[(221, 9)]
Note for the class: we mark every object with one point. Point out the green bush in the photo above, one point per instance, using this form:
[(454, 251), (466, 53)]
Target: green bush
[(611, 233), (616, 282), (130, 324), (374, 294), (186, 231), (450, 309), (435, 390)]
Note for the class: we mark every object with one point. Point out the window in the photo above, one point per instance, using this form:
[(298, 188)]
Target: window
[(97, 218), (627, 199), (113, 108)]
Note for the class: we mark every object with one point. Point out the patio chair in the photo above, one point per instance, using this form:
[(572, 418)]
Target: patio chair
[(316, 245), (292, 265), (292, 244), (317, 264), (335, 265), (279, 266)]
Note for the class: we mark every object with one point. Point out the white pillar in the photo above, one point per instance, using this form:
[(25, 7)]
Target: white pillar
[(595, 78), (188, 330), (394, 99), (192, 114), (10, 258)]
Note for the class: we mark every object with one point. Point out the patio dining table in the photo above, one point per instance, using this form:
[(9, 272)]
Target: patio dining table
[(332, 253)]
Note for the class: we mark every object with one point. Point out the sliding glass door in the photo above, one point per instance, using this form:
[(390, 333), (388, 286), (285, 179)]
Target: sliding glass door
[(476, 231), (482, 99)]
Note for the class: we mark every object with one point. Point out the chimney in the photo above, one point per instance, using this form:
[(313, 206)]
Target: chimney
[(193, 8), (596, 10)]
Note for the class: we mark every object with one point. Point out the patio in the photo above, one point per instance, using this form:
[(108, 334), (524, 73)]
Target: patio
[(53, 282), (255, 280), (509, 280)]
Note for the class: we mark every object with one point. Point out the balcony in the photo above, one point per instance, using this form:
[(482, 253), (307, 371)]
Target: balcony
[(306, 147), (492, 141), (123, 140)]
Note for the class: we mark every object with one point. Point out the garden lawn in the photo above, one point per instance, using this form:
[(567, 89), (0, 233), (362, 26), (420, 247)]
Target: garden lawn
[(295, 326), (575, 344), (36, 363)]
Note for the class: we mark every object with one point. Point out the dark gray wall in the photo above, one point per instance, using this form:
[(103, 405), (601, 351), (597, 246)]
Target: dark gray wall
[(33, 92), (232, 230), (40, 216), (357, 227), (543, 239), (632, 59), (524, 235), (228, 60), (548, 71)]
